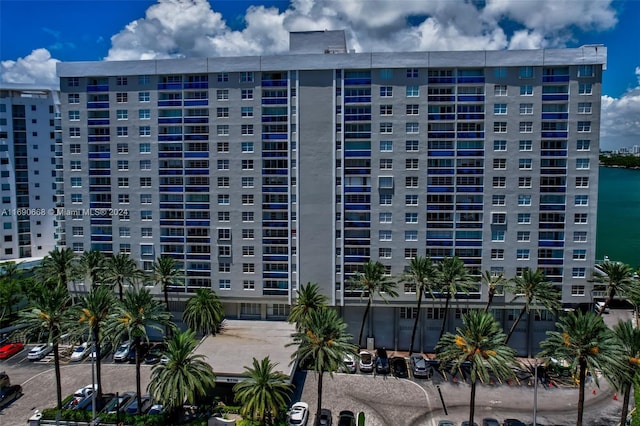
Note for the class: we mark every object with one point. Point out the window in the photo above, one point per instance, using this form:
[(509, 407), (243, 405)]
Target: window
[(384, 235), (386, 91), (412, 128), (524, 218), (222, 146), (582, 182), (247, 216), (497, 254), (122, 131), (580, 254), (525, 163), (384, 252), (411, 164), (123, 165), (123, 182), (78, 247), (526, 90), (222, 94), (247, 199), (413, 109), (246, 112), (223, 199), (223, 181), (526, 109), (412, 72), (525, 127), (500, 127), (248, 268), (578, 272), (499, 109), (498, 218), (76, 198), (145, 131), (246, 76), (224, 216), (585, 89), (577, 290), (386, 73), (146, 215), (386, 163), (583, 145), (144, 114), (74, 98), (386, 128), (248, 251), (500, 145), (122, 98), (144, 148), (522, 254), (76, 182), (413, 91), (249, 285), (499, 181), (498, 200), (386, 146), (222, 130), (385, 217), (224, 284), (411, 217), (412, 146), (524, 200), (386, 199), (222, 112), (145, 198), (411, 181), (246, 94), (497, 236), (74, 132), (580, 237), (582, 163), (581, 200), (74, 115), (585, 70), (499, 163), (124, 215), (524, 182), (580, 218), (145, 182), (247, 164), (584, 108), (410, 253), (525, 145), (122, 114), (247, 182), (143, 80), (121, 81), (74, 148), (411, 200), (523, 236), (224, 234), (500, 90), (247, 129), (584, 126), (526, 72), (222, 77), (145, 164), (386, 110), (411, 235), (500, 72), (247, 234)]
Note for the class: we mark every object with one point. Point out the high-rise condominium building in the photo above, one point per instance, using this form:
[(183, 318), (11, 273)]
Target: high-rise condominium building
[(260, 174), (29, 140)]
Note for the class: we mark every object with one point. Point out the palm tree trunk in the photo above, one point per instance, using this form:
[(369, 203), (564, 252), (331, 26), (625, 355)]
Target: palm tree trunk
[(415, 323), (605, 306), (120, 285), (138, 388), (489, 301), (364, 318), (166, 295), (514, 325), (625, 402), (581, 376), (319, 408), (56, 364), (446, 312), (96, 348), (472, 402)]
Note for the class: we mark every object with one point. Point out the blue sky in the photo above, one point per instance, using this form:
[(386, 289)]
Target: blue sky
[(34, 34)]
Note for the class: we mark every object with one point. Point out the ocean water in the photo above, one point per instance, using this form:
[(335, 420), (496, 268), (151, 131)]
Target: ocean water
[(618, 234)]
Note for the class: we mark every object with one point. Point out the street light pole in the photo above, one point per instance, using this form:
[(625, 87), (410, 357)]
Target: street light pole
[(535, 393), (93, 382)]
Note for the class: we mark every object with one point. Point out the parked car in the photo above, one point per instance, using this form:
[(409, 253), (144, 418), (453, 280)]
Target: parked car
[(155, 353), (81, 352), (146, 403), (490, 422), (299, 414), (9, 394), (326, 419), (40, 351), (350, 363), (105, 349), (144, 348), (466, 423), (366, 362), (382, 362), (106, 399), (346, 418), (164, 359), (446, 423), (419, 366), (79, 396), (116, 404), (122, 353), (10, 349), (155, 409), (513, 422), (399, 367)]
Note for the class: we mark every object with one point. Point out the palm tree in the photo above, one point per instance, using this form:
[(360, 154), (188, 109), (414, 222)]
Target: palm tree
[(10, 291), (453, 278), (479, 341), (309, 299), (91, 264), (131, 317), (421, 275), (618, 277), (58, 266), (494, 284), (263, 392), (323, 345), (166, 272), (94, 310), (629, 338), (121, 269), (204, 311), (586, 343), (533, 287), (370, 282), (50, 315), (184, 377)]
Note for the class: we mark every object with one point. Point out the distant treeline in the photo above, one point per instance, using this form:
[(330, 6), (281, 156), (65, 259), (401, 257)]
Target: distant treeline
[(617, 160)]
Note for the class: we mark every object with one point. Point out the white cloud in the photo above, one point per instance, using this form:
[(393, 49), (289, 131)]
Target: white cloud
[(36, 68), (620, 121)]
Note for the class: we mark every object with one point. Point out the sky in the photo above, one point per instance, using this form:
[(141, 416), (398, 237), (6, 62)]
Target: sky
[(35, 34)]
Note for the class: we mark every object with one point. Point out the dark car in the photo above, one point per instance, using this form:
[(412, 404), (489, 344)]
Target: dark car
[(346, 418), (117, 404), (144, 348), (9, 394), (513, 422), (146, 401), (466, 423), (399, 367), (325, 417), (490, 422), (155, 353), (382, 362), (419, 366)]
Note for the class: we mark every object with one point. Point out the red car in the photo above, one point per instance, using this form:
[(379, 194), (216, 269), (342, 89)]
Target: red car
[(11, 349)]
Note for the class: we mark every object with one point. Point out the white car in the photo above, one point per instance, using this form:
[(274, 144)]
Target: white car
[(299, 414), (350, 363), (39, 351), (366, 362), (80, 352), (79, 395), (122, 353)]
